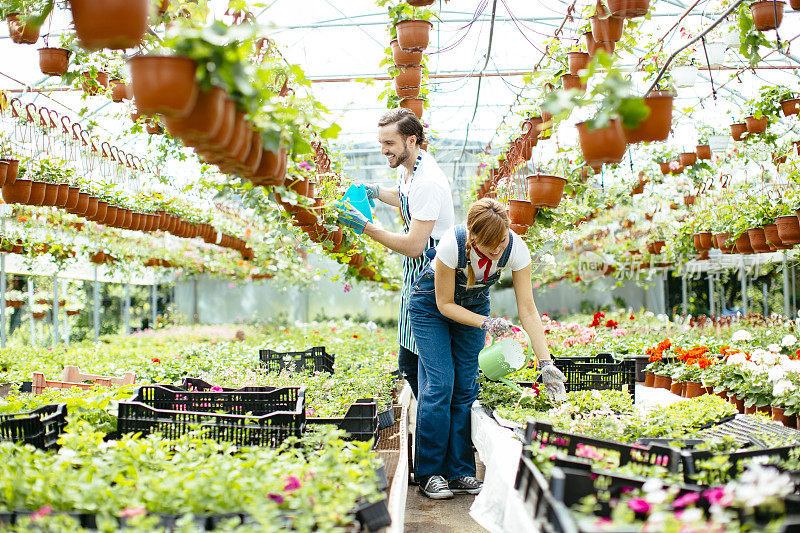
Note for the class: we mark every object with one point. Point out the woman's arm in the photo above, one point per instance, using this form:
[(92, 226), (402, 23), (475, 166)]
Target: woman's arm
[(528, 314), (445, 282)]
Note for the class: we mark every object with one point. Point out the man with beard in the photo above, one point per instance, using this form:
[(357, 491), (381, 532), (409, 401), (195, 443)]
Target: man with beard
[(426, 206)]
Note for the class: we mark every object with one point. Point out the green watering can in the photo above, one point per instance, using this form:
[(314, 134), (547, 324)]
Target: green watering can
[(502, 357)]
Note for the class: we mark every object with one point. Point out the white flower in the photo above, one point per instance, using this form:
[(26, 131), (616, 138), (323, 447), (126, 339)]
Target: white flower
[(652, 484), (788, 340), (782, 387), (774, 347), (692, 515), (371, 326), (737, 358), (648, 314), (741, 335), (776, 373)]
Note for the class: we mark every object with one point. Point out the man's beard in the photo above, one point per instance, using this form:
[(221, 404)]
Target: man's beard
[(402, 158)]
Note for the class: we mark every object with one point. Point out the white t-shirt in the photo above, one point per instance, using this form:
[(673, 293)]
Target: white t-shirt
[(447, 253), (429, 195)]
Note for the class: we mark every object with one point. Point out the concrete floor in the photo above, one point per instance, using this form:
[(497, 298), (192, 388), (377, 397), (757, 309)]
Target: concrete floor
[(424, 515)]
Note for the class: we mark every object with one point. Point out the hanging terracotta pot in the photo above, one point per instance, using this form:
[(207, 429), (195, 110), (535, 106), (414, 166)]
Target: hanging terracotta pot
[(204, 120), (658, 123), (37, 193), (545, 190), (17, 192), (578, 61), (791, 106), (764, 14), (53, 61), (114, 24), (111, 215), (721, 240), (743, 244), (771, 233), (413, 35), (664, 165), (91, 207), (102, 209), (22, 33), (756, 125), (81, 204), (703, 151), (50, 194), (699, 244), (607, 46), (758, 240), (403, 58), (628, 8), (223, 136), (607, 29), (414, 104), (3, 172), (688, 158), (788, 229), (406, 92), (94, 83), (420, 3), (267, 172), (602, 145), (738, 131), (12, 170), (796, 6), (119, 90), (521, 212), (570, 81), (164, 84), (408, 77)]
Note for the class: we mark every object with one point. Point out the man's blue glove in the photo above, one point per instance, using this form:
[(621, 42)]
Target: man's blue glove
[(373, 192), (352, 218)]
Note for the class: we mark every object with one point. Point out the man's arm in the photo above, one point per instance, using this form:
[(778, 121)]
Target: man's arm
[(388, 196), (411, 244)]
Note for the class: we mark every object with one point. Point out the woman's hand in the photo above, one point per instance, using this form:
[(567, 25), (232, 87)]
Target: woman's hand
[(496, 326), (553, 380)]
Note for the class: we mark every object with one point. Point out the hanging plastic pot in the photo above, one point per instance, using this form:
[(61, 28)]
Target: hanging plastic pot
[(420, 3), (414, 104), (53, 61), (731, 33), (628, 8), (758, 240), (545, 190), (743, 244), (764, 14), (684, 76), (602, 145), (578, 61), (607, 29), (164, 84), (738, 131), (788, 229), (521, 212), (94, 83), (703, 151), (403, 58), (688, 158), (119, 90), (571, 81), (791, 106), (114, 24), (657, 125), (204, 120), (718, 143), (756, 125), (413, 35), (405, 92), (408, 77), (22, 33), (716, 53), (17, 192)]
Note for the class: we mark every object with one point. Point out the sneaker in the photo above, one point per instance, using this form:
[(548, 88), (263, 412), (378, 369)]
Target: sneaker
[(436, 489), (465, 485)]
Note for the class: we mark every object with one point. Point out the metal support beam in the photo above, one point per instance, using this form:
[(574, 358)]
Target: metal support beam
[(711, 295), (684, 295), (786, 300), (31, 323), (67, 321), (56, 335), (96, 306), (765, 295), (743, 282), (126, 309), (194, 300)]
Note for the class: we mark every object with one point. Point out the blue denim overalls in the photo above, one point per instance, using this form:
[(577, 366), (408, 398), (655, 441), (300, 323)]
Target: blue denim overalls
[(448, 369)]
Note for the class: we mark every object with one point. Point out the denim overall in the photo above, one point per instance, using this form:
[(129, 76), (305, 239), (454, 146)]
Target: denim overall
[(448, 369)]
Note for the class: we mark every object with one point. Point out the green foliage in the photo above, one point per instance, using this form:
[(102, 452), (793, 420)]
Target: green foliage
[(750, 38)]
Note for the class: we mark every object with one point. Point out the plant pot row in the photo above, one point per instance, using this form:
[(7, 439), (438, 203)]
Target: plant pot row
[(206, 120), (782, 235), (750, 125), (308, 217)]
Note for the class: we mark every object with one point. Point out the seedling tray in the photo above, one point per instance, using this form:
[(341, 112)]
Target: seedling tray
[(542, 500), (691, 457), (263, 418), (595, 372), (579, 446), (197, 384), (40, 427), (360, 421), (315, 359), (749, 430)]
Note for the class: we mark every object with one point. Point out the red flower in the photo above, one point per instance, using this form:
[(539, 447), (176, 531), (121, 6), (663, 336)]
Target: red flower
[(611, 323), (631, 317), (155, 360), (355, 336), (598, 316)]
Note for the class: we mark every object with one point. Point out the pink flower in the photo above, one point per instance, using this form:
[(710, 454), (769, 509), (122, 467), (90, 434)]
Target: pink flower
[(216, 388), (129, 512), (717, 496), (638, 505), (674, 165), (310, 412), (277, 498), (292, 483), (686, 499), (347, 287), (42, 512)]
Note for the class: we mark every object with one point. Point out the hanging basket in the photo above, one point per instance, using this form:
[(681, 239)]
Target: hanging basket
[(756, 125), (743, 244), (607, 29), (408, 77), (414, 104), (521, 212), (53, 61), (403, 58), (628, 8), (602, 145), (413, 35), (571, 81), (703, 151), (792, 106), (738, 131), (37, 193), (545, 190), (716, 53), (721, 242), (17, 192), (119, 90), (684, 76), (758, 240), (578, 61), (94, 83), (764, 14), (657, 125), (788, 229), (115, 24), (204, 120), (688, 158), (20, 33), (164, 84)]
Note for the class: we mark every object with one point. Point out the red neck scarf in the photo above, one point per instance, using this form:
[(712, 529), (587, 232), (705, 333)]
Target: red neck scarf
[(483, 261)]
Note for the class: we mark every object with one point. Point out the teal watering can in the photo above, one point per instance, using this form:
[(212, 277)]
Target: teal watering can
[(502, 357), (356, 196)]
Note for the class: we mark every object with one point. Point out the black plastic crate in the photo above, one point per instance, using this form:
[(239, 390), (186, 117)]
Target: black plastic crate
[(598, 372), (40, 427), (197, 384), (572, 444), (315, 359), (691, 457), (360, 421), (386, 418), (543, 500), (264, 418), (373, 516)]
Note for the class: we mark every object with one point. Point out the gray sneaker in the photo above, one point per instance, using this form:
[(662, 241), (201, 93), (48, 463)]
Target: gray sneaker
[(465, 485), (436, 489)]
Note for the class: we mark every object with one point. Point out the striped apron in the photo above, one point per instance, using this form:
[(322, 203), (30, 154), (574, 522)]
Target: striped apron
[(412, 268)]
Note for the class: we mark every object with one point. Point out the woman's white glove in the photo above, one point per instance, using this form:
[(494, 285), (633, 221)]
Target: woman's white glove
[(496, 326), (553, 380)]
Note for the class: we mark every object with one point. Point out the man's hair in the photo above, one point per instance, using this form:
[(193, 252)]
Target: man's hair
[(407, 123)]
